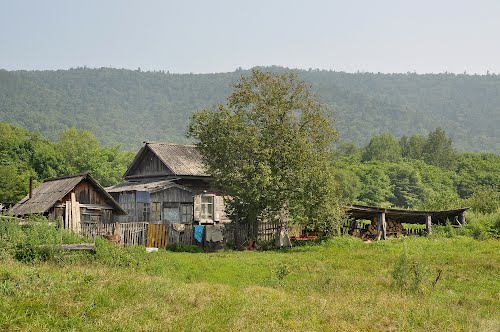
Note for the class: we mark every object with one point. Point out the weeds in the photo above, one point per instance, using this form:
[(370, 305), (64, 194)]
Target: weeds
[(408, 274)]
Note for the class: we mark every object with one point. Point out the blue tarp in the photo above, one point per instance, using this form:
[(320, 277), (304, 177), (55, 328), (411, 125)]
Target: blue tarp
[(198, 232)]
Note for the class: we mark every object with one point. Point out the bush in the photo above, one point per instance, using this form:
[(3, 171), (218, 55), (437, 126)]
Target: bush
[(28, 253), (482, 226), (34, 241), (408, 274), (181, 247)]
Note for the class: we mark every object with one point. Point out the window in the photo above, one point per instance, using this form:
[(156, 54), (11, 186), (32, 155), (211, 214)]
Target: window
[(146, 212), (156, 211), (186, 213), (127, 202), (207, 207), (171, 215), (91, 218)]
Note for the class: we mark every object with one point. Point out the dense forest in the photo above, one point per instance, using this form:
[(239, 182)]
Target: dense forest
[(127, 107)]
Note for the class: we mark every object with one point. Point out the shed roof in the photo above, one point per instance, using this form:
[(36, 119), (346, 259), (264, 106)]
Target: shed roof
[(181, 159), (150, 186), (406, 216), (50, 191)]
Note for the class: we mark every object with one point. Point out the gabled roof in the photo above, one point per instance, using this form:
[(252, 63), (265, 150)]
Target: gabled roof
[(181, 159), (52, 190), (150, 186)]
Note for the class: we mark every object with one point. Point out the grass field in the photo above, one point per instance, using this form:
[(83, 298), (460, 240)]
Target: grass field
[(343, 284)]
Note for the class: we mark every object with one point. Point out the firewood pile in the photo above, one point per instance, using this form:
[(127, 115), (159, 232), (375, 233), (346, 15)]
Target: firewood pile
[(393, 228)]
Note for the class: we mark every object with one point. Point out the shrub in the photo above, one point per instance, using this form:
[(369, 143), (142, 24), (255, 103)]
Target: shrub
[(181, 247), (28, 253), (408, 274)]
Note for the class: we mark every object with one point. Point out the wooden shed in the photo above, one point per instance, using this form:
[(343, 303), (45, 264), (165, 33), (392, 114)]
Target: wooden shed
[(72, 199)]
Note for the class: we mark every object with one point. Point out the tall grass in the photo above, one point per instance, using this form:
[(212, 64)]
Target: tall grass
[(340, 284)]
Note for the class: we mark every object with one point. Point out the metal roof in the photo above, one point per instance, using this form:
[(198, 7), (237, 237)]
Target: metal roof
[(150, 186), (181, 159), (50, 191)]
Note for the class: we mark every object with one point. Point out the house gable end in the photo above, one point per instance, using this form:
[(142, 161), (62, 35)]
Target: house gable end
[(147, 164)]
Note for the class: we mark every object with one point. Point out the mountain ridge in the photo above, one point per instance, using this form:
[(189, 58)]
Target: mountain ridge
[(127, 107)]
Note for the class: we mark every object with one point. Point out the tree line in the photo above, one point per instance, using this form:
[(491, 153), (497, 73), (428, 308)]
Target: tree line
[(416, 172), (127, 107), (24, 154)]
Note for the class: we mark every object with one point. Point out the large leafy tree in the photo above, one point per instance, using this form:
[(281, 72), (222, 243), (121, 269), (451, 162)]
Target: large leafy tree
[(268, 149), (84, 153), (383, 147), (438, 150)]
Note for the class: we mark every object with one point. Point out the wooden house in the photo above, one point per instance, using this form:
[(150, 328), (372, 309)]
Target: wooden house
[(168, 184), (73, 200)]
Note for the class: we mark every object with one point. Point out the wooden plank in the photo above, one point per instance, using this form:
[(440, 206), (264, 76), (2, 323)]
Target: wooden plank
[(67, 215), (428, 224), (78, 216), (73, 211), (381, 227)]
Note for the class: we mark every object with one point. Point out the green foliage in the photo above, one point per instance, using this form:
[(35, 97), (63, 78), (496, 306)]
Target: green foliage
[(268, 149), (83, 153), (181, 247), (413, 147), (24, 154), (319, 290), (407, 274), (32, 241), (111, 254), (126, 106), (28, 253), (485, 200), (477, 171), (438, 150), (383, 147)]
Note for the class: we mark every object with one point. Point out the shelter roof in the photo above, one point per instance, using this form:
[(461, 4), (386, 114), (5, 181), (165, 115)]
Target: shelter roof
[(52, 190), (402, 215)]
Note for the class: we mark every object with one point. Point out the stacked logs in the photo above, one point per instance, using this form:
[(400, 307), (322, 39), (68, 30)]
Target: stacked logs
[(393, 228)]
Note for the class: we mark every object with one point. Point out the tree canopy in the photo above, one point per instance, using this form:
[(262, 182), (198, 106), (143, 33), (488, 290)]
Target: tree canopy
[(268, 148), (127, 107), (24, 154)]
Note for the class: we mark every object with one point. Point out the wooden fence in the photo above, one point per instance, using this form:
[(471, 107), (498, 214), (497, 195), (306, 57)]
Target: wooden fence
[(161, 235), (157, 235), (240, 233), (126, 234), (184, 236)]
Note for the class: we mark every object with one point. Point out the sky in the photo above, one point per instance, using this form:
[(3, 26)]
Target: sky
[(389, 36)]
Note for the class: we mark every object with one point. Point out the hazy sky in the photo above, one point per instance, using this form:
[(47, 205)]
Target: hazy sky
[(222, 35)]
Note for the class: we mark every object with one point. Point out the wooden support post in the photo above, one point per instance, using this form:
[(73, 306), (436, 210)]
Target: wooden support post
[(382, 227), (67, 215), (73, 212), (461, 219), (428, 224)]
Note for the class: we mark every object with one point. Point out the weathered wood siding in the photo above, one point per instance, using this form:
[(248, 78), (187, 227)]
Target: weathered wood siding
[(136, 204), (86, 193), (149, 165), (172, 195)]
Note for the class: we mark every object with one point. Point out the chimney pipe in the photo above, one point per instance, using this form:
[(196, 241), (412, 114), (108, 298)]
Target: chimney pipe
[(31, 187)]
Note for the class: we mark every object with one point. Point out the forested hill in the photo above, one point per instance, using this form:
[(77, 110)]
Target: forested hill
[(127, 107)]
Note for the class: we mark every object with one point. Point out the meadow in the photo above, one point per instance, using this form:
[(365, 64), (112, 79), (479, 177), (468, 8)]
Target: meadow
[(341, 284)]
